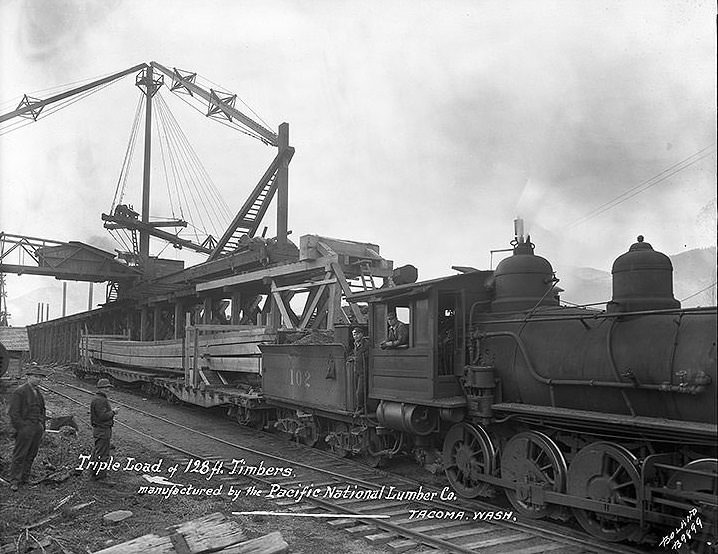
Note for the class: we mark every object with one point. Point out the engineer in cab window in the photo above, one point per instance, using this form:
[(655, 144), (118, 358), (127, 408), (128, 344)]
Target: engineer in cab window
[(398, 335)]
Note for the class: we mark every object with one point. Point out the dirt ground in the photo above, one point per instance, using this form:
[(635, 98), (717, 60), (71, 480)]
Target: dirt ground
[(65, 513)]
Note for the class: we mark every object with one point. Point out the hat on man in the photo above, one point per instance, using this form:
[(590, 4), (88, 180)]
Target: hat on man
[(104, 384)]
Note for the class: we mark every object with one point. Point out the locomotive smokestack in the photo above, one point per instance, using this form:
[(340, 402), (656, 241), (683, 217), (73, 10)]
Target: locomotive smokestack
[(519, 230), (523, 281)]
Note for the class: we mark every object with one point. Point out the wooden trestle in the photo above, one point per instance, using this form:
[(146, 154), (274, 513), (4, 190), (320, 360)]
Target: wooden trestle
[(306, 289)]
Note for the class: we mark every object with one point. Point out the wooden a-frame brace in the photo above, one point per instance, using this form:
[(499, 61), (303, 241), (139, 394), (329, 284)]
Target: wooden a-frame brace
[(322, 304)]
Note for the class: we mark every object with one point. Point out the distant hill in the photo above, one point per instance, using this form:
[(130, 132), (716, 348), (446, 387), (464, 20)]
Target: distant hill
[(693, 271)]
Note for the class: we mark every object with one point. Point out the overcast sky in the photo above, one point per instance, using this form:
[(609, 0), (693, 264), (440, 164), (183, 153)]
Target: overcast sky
[(424, 127)]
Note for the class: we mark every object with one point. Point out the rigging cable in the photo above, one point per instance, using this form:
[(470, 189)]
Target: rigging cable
[(174, 148), (52, 108), (209, 190), (255, 114), (204, 188), (231, 124), (163, 144), (181, 193), (14, 102), (127, 161)]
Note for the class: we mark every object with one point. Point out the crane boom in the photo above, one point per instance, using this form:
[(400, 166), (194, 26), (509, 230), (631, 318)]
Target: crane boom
[(213, 99), (274, 180), (33, 107)]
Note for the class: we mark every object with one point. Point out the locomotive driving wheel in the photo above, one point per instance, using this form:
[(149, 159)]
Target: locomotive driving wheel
[(532, 458), (608, 473), (468, 454)]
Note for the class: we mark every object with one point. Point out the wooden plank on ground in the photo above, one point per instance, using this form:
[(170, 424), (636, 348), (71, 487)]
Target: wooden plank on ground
[(211, 532), (273, 543), (148, 544)]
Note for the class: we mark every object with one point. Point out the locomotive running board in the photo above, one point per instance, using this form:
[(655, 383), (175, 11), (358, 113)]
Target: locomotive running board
[(649, 427)]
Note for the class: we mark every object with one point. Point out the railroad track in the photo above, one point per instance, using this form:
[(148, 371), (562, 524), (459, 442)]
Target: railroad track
[(387, 510)]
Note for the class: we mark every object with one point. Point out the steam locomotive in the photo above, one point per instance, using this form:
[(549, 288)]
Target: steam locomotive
[(606, 414)]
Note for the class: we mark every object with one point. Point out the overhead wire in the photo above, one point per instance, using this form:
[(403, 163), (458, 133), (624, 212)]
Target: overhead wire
[(700, 291), (646, 184)]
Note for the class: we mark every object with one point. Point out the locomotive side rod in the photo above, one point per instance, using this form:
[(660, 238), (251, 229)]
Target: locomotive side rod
[(539, 493)]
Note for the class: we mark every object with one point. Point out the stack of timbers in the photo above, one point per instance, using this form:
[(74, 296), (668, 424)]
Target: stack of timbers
[(225, 348)]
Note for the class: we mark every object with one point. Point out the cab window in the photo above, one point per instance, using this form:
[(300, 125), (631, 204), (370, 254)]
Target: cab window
[(397, 327), (446, 337)]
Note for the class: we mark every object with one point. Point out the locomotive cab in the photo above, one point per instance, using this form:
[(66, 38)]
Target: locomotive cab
[(418, 383)]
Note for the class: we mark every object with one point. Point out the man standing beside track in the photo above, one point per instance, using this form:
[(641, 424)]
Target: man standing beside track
[(102, 418), (359, 357), (27, 415)]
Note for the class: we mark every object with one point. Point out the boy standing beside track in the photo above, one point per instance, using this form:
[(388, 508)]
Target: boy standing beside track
[(102, 418)]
